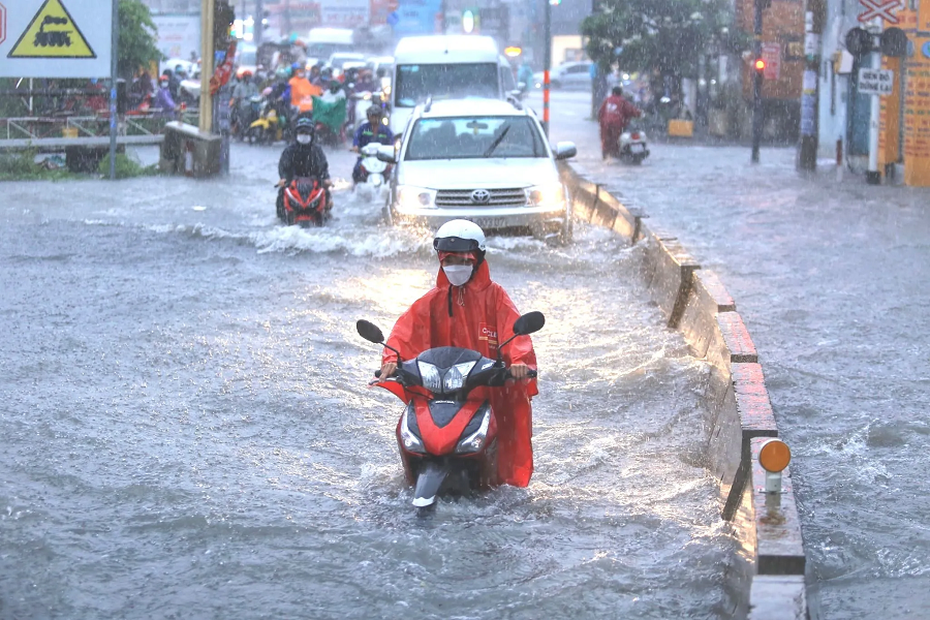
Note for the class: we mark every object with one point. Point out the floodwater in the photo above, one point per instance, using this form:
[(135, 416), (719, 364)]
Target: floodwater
[(830, 277), (187, 432)]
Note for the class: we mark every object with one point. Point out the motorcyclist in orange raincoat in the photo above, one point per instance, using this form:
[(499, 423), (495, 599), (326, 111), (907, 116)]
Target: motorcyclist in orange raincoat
[(467, 309)]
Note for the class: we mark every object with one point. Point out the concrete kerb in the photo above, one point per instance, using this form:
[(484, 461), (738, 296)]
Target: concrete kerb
[(739, 413)]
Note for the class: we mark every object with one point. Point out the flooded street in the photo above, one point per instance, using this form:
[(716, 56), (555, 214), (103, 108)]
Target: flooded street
[(830, 280), (187, 430)]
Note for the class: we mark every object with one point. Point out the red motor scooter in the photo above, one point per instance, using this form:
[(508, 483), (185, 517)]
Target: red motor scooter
[(306, 203), (447, 437)]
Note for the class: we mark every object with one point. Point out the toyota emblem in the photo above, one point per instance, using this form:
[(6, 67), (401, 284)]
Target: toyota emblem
[(481, 196)]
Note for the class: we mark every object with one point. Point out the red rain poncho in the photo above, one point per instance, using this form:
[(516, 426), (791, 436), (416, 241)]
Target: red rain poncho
[(478, 316)]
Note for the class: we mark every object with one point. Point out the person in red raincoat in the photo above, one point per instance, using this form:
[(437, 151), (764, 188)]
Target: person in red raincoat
[(614, 115), (467, 309)]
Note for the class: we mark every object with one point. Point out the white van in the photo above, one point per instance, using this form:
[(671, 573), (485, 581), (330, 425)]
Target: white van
[(446, 67), (324, 42)]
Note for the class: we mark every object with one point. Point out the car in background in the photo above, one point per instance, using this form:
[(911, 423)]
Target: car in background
[(484, 160), (383, 65), (246, 59), (172, 63), (338, 59), (568, 75), (189, 90)]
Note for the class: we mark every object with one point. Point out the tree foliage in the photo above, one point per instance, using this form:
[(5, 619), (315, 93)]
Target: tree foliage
[(137, 37), (664, 37)]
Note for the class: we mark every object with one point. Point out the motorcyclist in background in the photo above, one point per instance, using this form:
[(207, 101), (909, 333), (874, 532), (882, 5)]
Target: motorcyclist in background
[(372, 131), (303, 158), (241, 102), (467, 309), (614, 115)]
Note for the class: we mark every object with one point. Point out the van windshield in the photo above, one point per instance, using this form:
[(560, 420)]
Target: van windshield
[(417, 82)]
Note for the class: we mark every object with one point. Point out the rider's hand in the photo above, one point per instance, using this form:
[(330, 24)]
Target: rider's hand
[(282, 182), (387, 370), (327, 183), (519, 371)]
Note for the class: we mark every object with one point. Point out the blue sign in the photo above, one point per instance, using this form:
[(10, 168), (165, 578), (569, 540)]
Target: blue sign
[(417, 17), (392, 18), (925, 49)]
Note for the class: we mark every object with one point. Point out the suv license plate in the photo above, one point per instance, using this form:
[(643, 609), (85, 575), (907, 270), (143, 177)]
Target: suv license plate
[(637, 148), (491, 222)]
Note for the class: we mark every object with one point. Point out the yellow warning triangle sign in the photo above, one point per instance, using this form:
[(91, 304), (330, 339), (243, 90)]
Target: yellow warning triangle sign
[(52, 33)]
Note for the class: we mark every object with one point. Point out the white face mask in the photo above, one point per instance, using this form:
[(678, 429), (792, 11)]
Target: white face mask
[(458, 274), (303, 138)]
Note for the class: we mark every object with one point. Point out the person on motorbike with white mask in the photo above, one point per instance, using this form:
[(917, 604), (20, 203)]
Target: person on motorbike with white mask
[(467, 309), (303, 158), (372, 131)]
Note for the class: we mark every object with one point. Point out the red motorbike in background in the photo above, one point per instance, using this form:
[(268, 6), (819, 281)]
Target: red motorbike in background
[(446, 434), (306, 203)]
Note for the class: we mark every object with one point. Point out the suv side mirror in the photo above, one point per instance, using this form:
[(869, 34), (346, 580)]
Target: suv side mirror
[(565, 150)]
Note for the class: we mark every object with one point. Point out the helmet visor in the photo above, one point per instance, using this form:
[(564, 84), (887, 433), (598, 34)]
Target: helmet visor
[(455, 244)]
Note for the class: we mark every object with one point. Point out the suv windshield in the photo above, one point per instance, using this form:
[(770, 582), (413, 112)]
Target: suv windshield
[(474, 137), (417, 82)]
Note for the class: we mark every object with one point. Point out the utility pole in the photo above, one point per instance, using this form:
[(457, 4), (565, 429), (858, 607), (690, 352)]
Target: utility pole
[(114, 76), (814, 18), (757, 77), (258, 27), (206, 65), (547, 64), (873, 176)]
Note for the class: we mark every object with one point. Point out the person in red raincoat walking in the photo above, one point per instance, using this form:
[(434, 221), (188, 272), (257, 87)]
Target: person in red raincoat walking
[(467, 309), (614, 115)]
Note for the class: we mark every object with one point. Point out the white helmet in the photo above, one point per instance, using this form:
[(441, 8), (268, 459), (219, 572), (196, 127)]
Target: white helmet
[(460, 236)]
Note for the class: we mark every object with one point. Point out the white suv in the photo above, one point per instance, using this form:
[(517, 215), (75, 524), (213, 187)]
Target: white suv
[(483, 160)]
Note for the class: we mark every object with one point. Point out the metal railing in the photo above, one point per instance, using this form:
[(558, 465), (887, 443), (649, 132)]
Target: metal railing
[(38, 127)]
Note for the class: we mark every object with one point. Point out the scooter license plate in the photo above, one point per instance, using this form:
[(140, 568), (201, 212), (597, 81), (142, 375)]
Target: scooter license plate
[(637, 148)]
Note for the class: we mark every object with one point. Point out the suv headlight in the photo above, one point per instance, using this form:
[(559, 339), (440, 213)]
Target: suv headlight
[(475, 441), (411, 442), (455, 377), (410, 197), (546, 195)]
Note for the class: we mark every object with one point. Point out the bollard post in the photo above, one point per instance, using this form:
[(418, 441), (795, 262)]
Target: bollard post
[(839, 159)]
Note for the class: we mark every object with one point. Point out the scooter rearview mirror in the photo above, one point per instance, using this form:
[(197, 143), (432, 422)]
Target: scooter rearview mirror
[(529, 323), (369, 331)]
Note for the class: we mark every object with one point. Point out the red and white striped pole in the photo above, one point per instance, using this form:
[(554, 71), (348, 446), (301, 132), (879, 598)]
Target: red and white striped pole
[(547, 65)]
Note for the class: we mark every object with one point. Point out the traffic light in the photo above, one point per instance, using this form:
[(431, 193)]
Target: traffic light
[(759, 65)]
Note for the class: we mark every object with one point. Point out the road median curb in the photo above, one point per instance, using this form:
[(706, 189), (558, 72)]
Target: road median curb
[(739, 414)]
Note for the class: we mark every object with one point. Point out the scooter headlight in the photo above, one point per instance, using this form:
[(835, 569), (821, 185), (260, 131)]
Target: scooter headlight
[(430, 377), (411, 442), (475, 441), (455, 377)]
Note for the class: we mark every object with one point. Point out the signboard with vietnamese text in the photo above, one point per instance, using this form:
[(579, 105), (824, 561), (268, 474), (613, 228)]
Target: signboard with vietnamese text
[(876, 81), (344, 13)]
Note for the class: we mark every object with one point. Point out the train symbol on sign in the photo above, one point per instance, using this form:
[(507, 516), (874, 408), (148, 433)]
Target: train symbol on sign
[(53, 38)]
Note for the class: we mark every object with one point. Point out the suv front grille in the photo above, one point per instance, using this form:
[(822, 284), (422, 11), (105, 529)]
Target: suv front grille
[(513, 197)]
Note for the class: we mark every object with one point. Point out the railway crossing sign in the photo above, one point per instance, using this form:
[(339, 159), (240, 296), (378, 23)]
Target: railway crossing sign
[(879, 8), (57, 39), (52, 33)]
